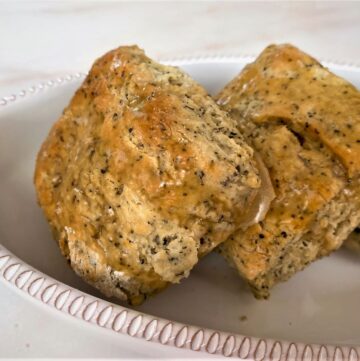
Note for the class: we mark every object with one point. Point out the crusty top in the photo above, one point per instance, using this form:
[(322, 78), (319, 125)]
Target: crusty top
[(142, 174), (280, 75)]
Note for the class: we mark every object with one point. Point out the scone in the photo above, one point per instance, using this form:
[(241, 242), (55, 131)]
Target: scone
[(142, 175), (304, 122)]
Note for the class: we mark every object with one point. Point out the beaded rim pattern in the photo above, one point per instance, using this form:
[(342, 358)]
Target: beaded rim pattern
[(22, 277)]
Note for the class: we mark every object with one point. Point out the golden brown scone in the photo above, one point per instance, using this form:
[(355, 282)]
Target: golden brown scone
[(305, 123), (141, 175)]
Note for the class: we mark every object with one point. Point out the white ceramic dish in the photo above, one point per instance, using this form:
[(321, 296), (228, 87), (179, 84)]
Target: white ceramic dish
[(314, 316)]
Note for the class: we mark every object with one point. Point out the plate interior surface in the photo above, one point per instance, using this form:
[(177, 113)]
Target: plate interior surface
[(318, 305)]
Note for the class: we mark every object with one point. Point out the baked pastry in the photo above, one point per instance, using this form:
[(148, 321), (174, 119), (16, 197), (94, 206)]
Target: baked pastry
[(304, 121), (142, 175)]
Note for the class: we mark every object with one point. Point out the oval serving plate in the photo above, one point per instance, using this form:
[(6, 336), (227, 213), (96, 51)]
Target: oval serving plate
[(314, 316)]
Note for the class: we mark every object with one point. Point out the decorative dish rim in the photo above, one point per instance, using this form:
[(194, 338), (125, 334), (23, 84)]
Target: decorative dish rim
[(19, 275)]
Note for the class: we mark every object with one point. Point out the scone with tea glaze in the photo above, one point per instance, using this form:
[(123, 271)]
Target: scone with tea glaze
[(142, 175), (304, 121)]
